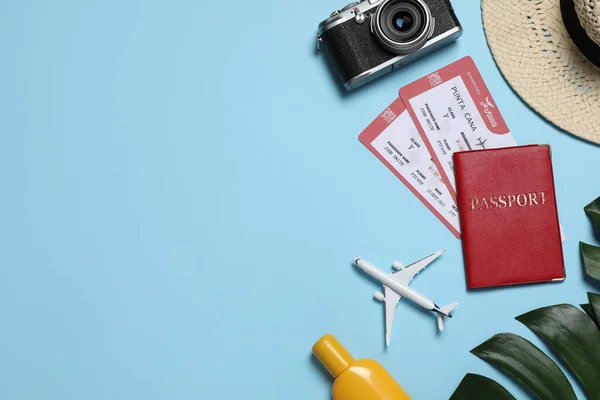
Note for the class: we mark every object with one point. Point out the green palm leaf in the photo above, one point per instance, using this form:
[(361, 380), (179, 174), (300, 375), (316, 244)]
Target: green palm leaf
[(591, 259), (574, 336), (590, 312), (528, 364), (595, 304), (593, 211), (475, 386)]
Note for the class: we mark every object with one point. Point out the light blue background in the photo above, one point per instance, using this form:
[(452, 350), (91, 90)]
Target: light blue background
[(182, 194)]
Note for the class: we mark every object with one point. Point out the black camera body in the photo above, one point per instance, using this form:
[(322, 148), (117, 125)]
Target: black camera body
[(369, 39)]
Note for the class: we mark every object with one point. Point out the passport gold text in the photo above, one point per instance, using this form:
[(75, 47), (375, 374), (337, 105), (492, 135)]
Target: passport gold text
[(508, 200)]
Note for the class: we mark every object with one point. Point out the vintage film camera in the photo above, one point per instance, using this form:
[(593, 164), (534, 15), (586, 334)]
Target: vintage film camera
[(369, 39)]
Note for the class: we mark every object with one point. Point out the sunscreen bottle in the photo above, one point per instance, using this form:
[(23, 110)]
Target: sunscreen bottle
[(356, 380)]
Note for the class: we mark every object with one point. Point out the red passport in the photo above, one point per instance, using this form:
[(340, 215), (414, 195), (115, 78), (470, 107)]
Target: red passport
[(508, 216)]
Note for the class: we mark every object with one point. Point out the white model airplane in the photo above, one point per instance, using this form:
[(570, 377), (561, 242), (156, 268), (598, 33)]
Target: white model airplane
[(395, 285)]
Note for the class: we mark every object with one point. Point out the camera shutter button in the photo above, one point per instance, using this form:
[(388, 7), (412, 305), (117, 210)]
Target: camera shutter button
[(358, 16)]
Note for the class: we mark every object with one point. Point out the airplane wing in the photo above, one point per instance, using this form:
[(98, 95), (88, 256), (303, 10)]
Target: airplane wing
[(391, 299), (405, 275)]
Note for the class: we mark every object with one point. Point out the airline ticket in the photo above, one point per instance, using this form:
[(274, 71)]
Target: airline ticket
[(454, 111), (393, 138)]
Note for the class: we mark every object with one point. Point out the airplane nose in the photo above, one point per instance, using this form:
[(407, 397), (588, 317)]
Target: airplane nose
[(356, 260)]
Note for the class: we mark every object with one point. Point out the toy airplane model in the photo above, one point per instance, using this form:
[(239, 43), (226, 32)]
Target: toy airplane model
[(395, 285)]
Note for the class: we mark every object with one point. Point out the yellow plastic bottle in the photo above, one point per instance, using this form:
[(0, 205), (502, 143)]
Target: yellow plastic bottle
[(356, 380)]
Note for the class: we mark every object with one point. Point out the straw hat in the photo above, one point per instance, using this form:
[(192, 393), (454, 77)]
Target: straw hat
[(549, 52)]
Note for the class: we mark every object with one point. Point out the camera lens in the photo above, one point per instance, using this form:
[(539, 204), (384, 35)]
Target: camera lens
[(403, 21), (403, 26)]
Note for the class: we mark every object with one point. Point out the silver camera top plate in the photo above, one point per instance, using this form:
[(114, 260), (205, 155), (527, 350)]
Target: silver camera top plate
[(347, 13)]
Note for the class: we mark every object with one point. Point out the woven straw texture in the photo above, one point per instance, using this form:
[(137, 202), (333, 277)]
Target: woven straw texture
[(588, 12), (540, 61)]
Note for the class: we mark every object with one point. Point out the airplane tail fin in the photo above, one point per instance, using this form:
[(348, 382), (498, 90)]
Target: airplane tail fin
[(445, 311)]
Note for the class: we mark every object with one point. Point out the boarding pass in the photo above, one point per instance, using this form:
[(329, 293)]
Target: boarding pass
[(393, 138), (454, 111)]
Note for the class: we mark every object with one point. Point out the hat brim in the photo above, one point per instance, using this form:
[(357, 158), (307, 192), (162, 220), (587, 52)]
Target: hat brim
[(537, 57)]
